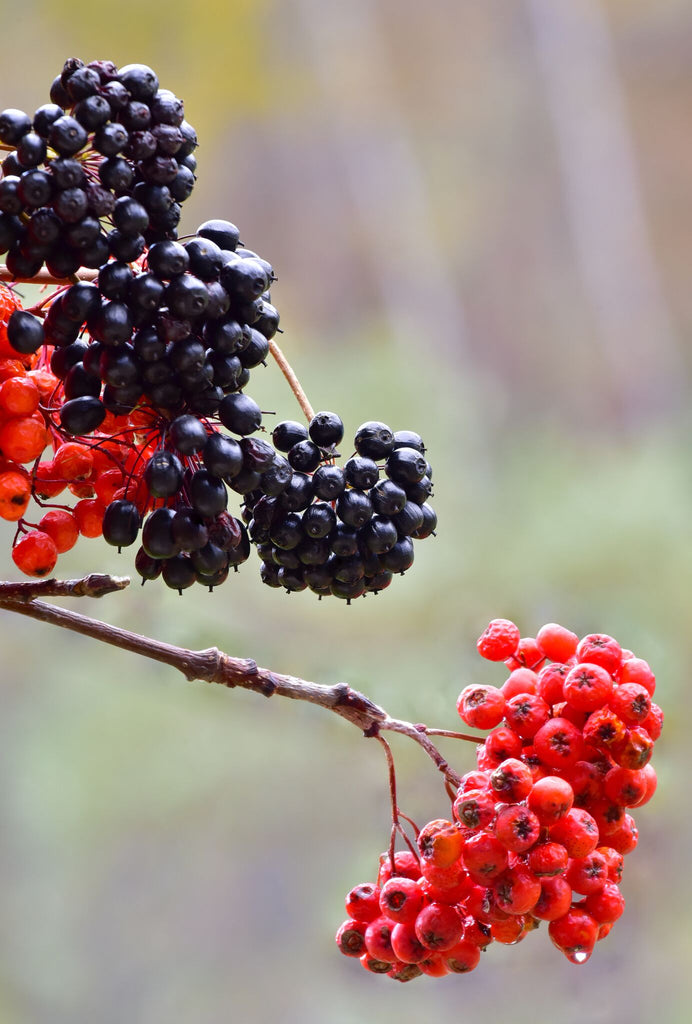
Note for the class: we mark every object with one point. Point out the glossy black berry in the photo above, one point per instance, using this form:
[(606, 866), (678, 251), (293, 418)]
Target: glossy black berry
[(361, 472), (82, 415), (208, 494), (374, 440), (225, 234), (240, 414), (157, 536), (304, 456), (163, 475), (326, 429), (406, 466), (25, 332), (287, 434), (121, 522)]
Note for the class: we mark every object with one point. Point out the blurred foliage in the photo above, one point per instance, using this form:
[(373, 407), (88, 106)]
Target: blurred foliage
[(170, 852)]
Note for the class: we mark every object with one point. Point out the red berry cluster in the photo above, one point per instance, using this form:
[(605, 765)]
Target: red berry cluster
[(539, 828)]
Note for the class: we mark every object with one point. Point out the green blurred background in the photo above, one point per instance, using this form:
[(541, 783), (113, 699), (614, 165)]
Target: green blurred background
[(481, 222)]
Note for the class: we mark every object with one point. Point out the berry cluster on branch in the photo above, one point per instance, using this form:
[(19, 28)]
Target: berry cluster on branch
[(136, 376), (538, 830)]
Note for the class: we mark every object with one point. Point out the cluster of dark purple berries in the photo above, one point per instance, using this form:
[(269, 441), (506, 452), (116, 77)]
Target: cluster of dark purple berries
[(146, 363), (342, 530), (98, 172)]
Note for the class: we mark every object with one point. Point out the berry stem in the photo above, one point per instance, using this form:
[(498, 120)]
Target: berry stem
[(44, 277), (292, 379), (211, 665)]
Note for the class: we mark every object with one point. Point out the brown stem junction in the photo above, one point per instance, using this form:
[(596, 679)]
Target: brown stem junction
[(212, 665)]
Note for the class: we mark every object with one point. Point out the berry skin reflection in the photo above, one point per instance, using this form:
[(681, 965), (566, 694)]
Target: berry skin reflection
[(538, 830), (136, 379)]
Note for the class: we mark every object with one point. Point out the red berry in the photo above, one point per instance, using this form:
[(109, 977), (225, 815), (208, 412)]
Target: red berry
[(378, 939), (548, 860), (484, 857), (498, 641), (15, 494), (62, 527), (587, 874), (550, 798), (406, 944), (577, 831), (35, 554), (556, 642), (526, 713), (625, 787), (555, 899), (550, 682), (606, 905), (440, 843), (636, 670), (462, 958), (517, 828), (631, 702), (512, 781), (439, 926), (19, 396), (600, 649), (517, 890), (405, 863), (350, 938), (400, 900), (559, 743), (363, 902), (481, 707), (520, 680), (587, 687), (475, 809), (575, 934), (528, 654)]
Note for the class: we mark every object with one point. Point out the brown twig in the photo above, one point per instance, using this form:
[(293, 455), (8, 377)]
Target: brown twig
[(293, 381), (211, 665)]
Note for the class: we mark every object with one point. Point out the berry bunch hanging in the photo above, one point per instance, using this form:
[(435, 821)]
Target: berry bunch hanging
[(538, 831), (137, 377)]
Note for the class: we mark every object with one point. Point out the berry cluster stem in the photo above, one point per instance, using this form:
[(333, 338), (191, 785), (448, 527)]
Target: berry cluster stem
[(211, 665), (292, 379)]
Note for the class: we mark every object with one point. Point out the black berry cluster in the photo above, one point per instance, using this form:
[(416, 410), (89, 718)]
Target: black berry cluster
[(99, 172), (142, 371), (342, 530)]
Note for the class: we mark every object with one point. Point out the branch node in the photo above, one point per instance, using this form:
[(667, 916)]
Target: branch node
[(268, 686), (373, 731)]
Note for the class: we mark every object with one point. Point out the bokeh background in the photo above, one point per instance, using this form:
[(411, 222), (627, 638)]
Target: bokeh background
[(481, 222)]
